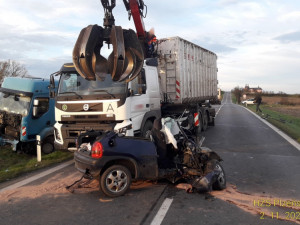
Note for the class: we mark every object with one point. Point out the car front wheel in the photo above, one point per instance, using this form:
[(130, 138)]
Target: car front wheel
[(115, 181)]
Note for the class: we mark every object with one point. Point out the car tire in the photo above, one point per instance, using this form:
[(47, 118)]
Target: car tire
[(48, 145), (220, 182), (115, 181), (146, 131)]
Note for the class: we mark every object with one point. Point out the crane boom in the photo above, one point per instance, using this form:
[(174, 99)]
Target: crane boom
[(136, 10)]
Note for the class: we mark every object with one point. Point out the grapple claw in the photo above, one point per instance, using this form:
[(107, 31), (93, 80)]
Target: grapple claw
[(132, 44), (124, 63), (117, 40), (87, 50)]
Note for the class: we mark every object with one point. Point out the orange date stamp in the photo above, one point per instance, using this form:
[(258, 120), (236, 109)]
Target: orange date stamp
[(290, 209), (285, 215)]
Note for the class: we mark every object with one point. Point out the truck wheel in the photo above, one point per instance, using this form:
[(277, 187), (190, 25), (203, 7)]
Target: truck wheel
[(220, 183), (205, 121), (48, 145), (146, 132), (115, 181)]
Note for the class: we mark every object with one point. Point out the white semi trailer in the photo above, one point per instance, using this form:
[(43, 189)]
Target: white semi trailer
[(183, 78)]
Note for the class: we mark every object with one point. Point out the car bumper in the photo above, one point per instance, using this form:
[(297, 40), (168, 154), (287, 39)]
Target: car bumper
[(84, 163)]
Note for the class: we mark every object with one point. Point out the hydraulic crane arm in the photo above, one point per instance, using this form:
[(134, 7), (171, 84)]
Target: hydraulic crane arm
[(136, 9)]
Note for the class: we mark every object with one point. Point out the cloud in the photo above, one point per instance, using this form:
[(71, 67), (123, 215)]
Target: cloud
[(290, 16), (289, 37), (215, 47), (250, 37), (227, 2), (43, 68)]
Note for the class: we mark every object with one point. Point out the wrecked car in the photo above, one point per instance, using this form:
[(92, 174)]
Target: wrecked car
[(116, 160)]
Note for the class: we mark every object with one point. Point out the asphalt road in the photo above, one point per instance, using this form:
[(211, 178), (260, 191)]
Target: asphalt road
[(260, 166)]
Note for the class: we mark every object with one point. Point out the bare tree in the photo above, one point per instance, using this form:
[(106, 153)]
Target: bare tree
[(11, 68), (237, 91)]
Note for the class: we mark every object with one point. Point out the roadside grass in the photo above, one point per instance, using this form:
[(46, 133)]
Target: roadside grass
[(233, 98), (287, 123), (14, 164)]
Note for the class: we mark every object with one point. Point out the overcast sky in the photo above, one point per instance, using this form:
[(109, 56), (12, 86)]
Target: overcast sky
[(257, 42)]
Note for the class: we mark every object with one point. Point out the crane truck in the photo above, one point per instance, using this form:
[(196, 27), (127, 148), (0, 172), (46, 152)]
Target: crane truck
[(128, 91)]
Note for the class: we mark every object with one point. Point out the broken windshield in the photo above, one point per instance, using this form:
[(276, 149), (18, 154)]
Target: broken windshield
[(74, 84), (14, 103)]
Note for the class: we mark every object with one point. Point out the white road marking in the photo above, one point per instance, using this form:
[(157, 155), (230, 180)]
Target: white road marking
[(219, 110), (36, 177), (224, 103), (278, 131), (160, 215)]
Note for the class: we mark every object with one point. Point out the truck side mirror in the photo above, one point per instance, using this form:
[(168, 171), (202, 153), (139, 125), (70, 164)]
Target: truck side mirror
[(35, 108), (52, 82), (52, 87)]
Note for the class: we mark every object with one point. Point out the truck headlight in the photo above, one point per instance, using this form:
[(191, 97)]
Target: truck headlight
[(124, 129), (57, 134)]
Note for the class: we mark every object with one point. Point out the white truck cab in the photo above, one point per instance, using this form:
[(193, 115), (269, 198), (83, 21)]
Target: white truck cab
[(83, 105), (181, 80)]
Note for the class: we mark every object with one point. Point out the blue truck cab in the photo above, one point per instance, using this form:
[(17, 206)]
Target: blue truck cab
[(26, 111)]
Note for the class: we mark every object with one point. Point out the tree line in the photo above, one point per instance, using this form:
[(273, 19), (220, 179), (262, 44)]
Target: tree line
[(238, 93), (11, 68)]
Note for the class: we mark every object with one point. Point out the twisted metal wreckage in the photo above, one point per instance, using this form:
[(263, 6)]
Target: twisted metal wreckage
[(174, 154)]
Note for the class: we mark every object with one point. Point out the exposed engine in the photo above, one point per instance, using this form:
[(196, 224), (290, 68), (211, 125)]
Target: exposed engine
[(10, 125)]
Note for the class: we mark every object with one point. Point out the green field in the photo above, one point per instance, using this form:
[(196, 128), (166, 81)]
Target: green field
[(287, 123), (13, 164)]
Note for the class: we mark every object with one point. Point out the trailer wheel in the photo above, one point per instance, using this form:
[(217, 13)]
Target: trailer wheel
[(205, 122), (146, 131), (48, 145), (115, 181)]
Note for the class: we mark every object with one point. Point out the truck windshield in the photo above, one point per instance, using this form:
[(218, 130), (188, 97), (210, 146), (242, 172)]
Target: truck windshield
[(74, 84), (14, 103)]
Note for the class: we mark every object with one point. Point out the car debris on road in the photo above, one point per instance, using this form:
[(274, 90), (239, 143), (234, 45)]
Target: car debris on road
[(116, 160)]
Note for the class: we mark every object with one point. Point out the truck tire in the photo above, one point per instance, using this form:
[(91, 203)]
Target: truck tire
[(205, 121), (48, 145), (115, 181), (146, 131), (220, 183)]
